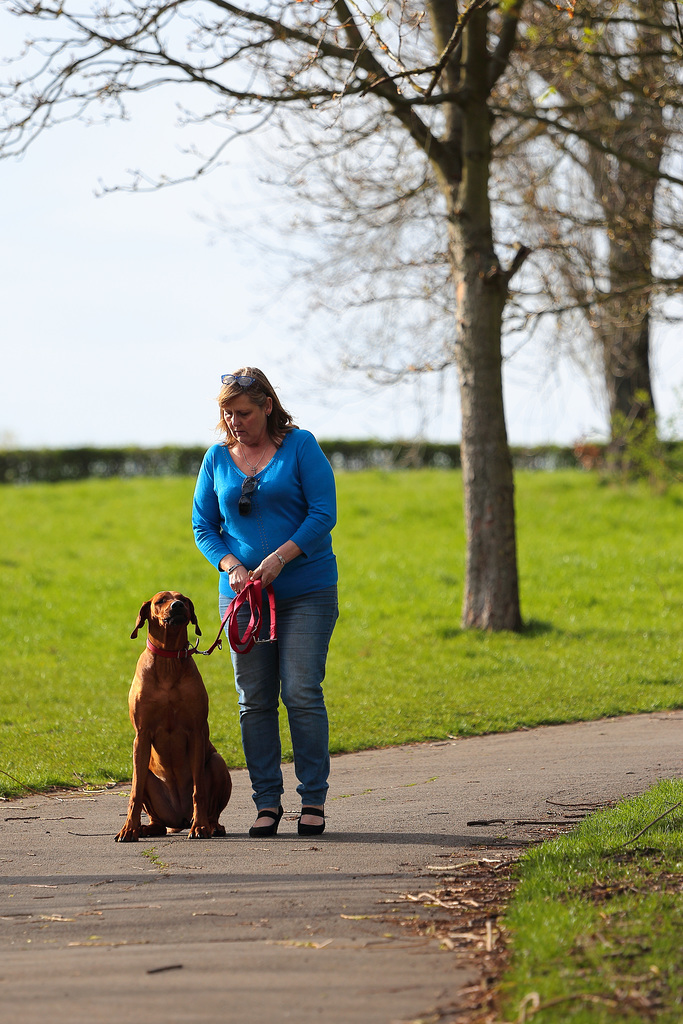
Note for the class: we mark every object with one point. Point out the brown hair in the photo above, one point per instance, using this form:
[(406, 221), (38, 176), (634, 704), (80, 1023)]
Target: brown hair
[(279, 421)]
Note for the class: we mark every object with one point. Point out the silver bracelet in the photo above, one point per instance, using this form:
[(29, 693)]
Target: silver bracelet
[(278, 555), (237, 565)]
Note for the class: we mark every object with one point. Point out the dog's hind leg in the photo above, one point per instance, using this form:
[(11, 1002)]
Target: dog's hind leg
[(219, 788), (155, 828), (164, 807)]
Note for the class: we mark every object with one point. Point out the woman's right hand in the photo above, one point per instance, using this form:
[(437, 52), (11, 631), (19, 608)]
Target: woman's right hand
[(239, 578)]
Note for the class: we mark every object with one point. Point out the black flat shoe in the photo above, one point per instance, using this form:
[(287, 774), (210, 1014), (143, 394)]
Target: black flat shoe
[(258, 831), (311, 830)]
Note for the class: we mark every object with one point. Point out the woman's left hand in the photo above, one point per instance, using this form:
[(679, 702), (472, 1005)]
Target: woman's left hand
[(269, 569)]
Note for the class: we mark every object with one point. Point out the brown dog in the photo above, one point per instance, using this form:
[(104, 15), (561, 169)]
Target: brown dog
[(179, 778)]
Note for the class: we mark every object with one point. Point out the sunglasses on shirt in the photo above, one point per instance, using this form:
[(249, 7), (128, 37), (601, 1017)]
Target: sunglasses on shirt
[(244, 504)]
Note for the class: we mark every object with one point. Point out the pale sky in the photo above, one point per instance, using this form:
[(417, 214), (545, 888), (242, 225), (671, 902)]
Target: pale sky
[(120, 313)]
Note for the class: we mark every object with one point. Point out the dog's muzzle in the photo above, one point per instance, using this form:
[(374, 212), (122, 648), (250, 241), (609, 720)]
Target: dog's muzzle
[(177, 614)]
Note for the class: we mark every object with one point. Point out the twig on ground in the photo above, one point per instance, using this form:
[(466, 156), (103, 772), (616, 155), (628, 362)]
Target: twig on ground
[(23, 785), (582, 806), (649, 825)]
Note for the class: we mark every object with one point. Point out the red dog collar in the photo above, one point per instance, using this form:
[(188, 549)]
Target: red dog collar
[(161, 653)]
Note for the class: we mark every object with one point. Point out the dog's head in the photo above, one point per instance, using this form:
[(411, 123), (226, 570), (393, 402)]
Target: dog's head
[(169, 609)]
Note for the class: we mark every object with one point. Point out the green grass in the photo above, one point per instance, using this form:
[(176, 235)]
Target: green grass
[(596, 924), (601, 573)]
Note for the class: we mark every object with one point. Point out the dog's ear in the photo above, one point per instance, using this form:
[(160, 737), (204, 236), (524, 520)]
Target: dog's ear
[(193, 618), (143, 616)]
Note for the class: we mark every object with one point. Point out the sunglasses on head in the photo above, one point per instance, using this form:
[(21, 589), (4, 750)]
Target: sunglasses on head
[(244, 504), (244, 382)]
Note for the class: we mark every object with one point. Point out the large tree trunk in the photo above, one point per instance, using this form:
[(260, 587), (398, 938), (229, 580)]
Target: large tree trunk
[(627, 196), (624, 320), (491, 599), (626, 351), (626, 346)]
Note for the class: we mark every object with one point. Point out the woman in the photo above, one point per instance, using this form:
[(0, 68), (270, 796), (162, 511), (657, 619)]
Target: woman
[(264, 506)]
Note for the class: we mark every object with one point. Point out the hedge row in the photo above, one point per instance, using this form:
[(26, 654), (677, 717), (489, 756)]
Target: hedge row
[(52, 464)]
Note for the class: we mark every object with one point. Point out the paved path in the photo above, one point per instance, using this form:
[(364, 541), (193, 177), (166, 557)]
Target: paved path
[(236, 930)]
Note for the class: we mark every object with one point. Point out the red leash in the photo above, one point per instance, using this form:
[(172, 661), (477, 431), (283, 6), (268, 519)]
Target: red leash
[(252, 594)]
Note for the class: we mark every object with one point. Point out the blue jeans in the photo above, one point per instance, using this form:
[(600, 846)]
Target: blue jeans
[(293, 666)]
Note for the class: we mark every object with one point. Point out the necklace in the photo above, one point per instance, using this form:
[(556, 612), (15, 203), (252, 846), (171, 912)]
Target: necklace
[(255, 467)]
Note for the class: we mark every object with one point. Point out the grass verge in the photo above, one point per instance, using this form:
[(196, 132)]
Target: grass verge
[(595, 926), (601, 571)]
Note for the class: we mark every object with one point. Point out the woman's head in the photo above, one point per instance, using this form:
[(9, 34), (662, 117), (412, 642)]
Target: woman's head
[(249, 384)]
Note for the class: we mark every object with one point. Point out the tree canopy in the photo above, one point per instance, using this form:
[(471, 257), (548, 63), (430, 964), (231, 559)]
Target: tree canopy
[(384, 99)]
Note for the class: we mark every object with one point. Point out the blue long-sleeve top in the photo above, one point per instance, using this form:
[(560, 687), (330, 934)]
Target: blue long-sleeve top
[(294, 499)]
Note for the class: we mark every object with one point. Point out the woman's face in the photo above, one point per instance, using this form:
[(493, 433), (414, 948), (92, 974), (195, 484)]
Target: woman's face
[(246, 420)]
